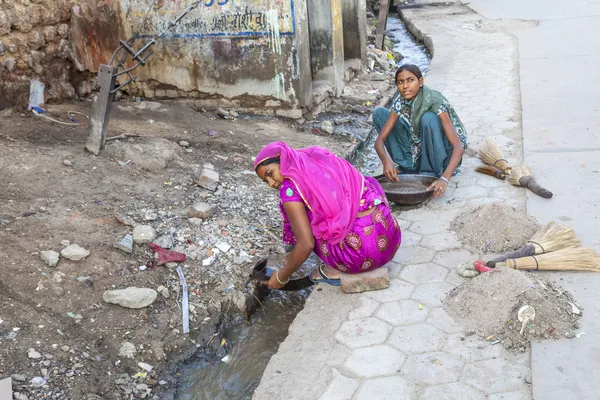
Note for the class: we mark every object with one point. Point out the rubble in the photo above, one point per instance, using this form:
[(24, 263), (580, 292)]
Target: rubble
[(50, 257), (200, 210), (143, 234), (208, 179), (125, 244), (131, 297), (74, 252)]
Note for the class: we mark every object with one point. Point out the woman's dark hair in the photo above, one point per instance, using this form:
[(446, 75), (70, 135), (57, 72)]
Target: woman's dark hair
[(269, 161), (410, 68)]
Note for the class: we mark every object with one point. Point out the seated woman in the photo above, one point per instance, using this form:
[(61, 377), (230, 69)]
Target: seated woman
[(423, 134), (330, 208)]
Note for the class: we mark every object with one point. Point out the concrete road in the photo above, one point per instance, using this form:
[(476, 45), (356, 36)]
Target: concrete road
[(560, 94)]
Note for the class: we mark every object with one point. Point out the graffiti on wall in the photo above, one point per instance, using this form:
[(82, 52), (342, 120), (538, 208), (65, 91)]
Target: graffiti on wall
[(225, 18)]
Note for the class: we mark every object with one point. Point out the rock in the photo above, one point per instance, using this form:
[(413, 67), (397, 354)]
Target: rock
[(141, 386), (165, 241), (44, 371), (195, 221), (65, 348), (65, 243), (18, 378), (84, 279), (183, 143), (162, 383), (132, 297), (209, 179), (224, 114), (33, 354), (234, 114), (327, 126), (38, 381), (74, 252), (165, 293), (125, 244), (366, 281), (125, 220), (200, 210), (50, 257), (20, 396), (67, 163), (127, 350), (145, 367), (294, 113), (143, 234)]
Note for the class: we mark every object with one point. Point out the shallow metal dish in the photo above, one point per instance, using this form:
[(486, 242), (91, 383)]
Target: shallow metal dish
[(411, 189)]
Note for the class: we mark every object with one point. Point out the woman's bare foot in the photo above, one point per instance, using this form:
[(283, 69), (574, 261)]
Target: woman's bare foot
[(332, 273)]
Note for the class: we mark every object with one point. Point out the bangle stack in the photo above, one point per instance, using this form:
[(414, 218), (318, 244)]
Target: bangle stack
[(444, 179), (277, 277)]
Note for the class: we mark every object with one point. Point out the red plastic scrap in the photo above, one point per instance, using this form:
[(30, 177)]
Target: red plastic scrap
[(481, 266), (167, 256)]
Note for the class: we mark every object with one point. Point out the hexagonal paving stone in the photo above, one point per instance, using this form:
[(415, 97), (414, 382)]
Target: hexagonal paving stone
[(432, 368), (441, 320), (390, 388), (451, 391), (413, 255), (403, 312), (394, 269), (441, 241), (429, 226), (413, 339), (432, 294), (404, 224), (522, 395), (471, 348), (410, 238), (367, 308), (420, 274), (451, 258), (398, 290), (495, 376), (363, 332), (455, 279), (375, 361), (340, 388)]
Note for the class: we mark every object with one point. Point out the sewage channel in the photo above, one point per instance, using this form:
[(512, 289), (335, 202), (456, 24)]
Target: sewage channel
[(253, 343)]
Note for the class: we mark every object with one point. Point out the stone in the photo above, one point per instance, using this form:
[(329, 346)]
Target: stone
[(74, 252), (165, 241), (125, 244), (418, 338), (294, 113), (327, 126), (20, 396), (127, 350), (38, 381), (31, 353), (162, 383), (375, 361), (363, 332), (432, 368), (125, 220), (143, 234), (50, 257), (388, 388), (208, 179), (131, 297), (403, 312), (451, 391), (18, 378), (145, 367), (398, 290), (67, 163), (273, 103), (165, 293), (364, 282), (183, 143), (195, 221), (493, 376), (200, 210), (141, 387), (341, 387), (65, 243), (420, 274)]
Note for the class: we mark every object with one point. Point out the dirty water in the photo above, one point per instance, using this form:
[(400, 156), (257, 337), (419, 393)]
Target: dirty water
[(254, 342)]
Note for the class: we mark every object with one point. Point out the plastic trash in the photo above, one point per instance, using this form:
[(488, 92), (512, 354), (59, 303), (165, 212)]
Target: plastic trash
[(36, 96)]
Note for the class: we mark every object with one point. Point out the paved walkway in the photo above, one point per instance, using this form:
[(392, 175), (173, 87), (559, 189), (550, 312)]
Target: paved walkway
[(398, 343)]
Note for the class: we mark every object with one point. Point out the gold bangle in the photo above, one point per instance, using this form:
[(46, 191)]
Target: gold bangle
[(277, 277)]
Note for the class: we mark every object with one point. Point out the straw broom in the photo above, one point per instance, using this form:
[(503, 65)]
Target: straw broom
[(549, 238), (573, 259), (491, 154), (521, 176), (491, 171)]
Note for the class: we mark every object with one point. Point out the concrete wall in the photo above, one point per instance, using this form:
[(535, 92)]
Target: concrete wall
[(354, 15)]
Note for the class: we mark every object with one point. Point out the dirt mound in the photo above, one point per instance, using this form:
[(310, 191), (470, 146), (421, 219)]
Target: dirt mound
[(489, 305), (494, 228), (152, 154)]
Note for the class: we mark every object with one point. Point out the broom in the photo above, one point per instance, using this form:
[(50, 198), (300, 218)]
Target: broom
[(491, 154), (521, 176), (573, 259), (491, 171), (549, 238)]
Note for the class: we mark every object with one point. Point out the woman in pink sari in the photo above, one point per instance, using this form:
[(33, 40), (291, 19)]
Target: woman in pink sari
[(330, 208)]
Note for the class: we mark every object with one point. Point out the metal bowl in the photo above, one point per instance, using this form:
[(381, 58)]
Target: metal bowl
[(410, 189)]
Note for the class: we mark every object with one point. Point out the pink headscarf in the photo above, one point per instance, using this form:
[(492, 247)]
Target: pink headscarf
[(331, 186)]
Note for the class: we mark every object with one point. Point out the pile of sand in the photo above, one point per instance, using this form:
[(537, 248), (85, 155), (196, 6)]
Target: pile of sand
[(488, 305), (494, 228)]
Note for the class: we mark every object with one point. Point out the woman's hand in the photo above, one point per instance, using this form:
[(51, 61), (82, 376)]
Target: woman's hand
[(438, 187), (390, 171), (273, 283)]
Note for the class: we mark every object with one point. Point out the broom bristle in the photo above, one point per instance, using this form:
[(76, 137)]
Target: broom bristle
[(491, 154), (553, 237), (517, 173), (573, 259)]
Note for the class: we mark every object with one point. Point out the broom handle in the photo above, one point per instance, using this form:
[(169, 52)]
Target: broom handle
[(526, 250), (530, 183)]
